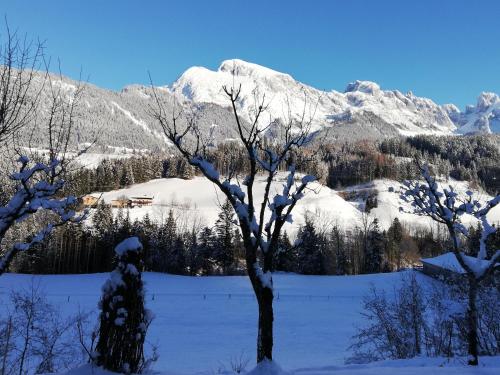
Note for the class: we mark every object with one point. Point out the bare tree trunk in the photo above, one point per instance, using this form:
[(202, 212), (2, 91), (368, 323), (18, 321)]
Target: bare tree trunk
[(266, 320), (472, 338), (27, 337), (265, 296)]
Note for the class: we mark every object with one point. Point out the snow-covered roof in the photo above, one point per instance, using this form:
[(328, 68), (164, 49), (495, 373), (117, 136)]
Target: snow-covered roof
[(93, 195), (449, 261)]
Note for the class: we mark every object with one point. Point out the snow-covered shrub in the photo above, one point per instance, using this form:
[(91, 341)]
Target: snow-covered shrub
[(123, 319)]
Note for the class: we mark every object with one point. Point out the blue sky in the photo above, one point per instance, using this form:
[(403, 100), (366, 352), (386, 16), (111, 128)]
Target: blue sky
[(446, 50)]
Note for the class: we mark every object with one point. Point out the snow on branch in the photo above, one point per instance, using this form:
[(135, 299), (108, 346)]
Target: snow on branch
[(266, 152), (36, 189), (446, 206)]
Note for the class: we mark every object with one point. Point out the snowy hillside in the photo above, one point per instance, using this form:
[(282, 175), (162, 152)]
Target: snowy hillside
[(406, 114), (120, 120), (196, 200), (201, 323)]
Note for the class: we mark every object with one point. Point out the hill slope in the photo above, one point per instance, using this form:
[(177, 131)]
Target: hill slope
[(197, 200)]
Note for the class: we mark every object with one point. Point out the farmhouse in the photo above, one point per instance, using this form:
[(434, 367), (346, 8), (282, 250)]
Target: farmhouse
[(121, 202), (141, 201), (90, 200)]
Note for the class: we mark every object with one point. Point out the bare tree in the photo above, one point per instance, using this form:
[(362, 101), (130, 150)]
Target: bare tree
[(260, 221), (36, 338), (445, 206), (20, 61), (36, 186)]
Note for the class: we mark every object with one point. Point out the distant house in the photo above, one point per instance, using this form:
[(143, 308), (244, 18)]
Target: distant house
[(121, 202), (90, 200), (141, 201), (446, 266)]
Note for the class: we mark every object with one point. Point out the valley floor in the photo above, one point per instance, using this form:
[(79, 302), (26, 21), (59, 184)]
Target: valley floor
[(203, 323)]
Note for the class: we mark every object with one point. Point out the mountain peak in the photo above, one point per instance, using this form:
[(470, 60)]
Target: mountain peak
[(367, 87), (240, 67), (487, 99), (404, 115)]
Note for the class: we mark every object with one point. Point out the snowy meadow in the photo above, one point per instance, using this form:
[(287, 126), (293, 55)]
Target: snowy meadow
[(206, 325), (201, 324)]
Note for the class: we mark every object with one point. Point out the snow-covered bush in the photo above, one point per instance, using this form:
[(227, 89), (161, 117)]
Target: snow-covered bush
[(123, 319)]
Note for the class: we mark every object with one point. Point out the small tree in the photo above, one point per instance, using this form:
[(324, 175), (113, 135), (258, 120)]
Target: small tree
[(445, 206), (123, 319)]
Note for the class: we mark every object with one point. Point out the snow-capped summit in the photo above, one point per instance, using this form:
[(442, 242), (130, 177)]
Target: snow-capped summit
[(486, 100), (367, 87), (364, 108), (482, 118), (239, 67)]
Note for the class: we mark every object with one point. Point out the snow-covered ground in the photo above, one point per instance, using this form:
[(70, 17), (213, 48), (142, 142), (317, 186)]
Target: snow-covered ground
[(198, 199), (203, 322)]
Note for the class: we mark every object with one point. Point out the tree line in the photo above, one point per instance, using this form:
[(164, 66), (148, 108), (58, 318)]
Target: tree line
[(337, 165), (179, 247)]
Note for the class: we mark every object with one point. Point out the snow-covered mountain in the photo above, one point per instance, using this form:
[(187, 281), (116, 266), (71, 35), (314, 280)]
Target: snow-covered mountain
[(482, 118), (363, 103), (123, 120)]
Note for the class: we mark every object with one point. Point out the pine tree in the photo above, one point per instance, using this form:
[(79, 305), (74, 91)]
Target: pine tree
[(394, 240), (311, 258), (224, 231), (102, 219), (340, 250), (193, 260), (474, 239), (162, 244), (286, 258), (205, 253), (177, 257), (374, 249)]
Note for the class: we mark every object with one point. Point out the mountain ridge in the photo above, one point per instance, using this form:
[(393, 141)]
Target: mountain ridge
[(408, 113), (362, 111)]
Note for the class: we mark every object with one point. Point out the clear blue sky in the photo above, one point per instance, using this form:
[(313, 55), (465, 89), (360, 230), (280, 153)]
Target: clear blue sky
[(448, 50)]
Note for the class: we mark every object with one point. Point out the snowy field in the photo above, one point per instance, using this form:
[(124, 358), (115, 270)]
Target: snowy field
[(198, 200), (203, 322)]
